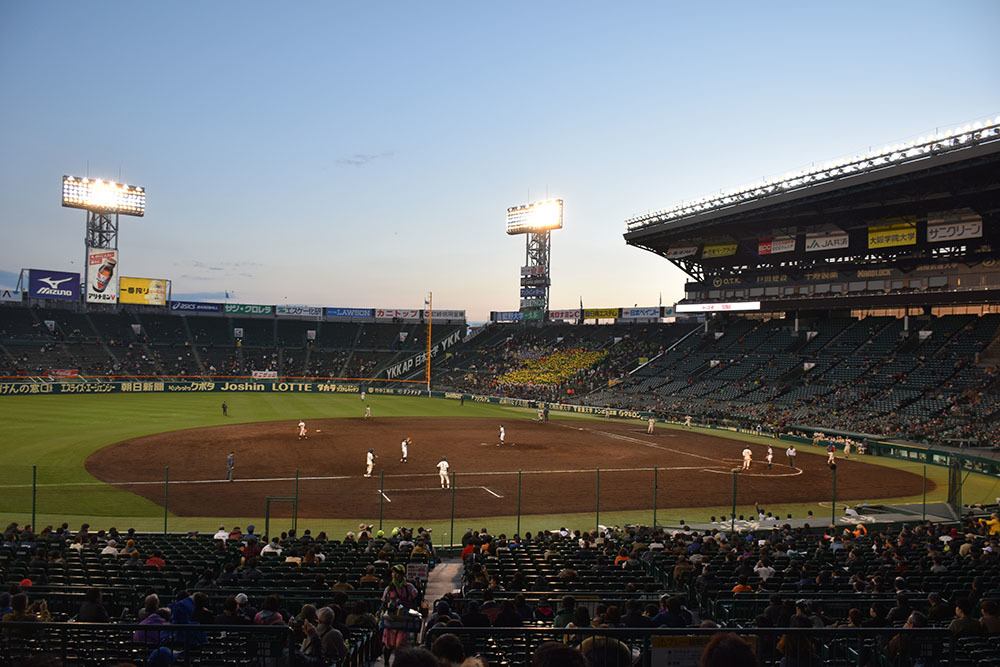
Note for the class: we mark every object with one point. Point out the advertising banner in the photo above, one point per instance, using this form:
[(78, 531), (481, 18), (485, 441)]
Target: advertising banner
[(397, 314), (348, 312), (678, 253), (145, 291), (63, 372), (237, 332), (418, 360), (599, 313), (714, 307), (890, 236), (564, 314), (640, 312), (194, 307), (775, 245), (954, 231), (447, 314), (102, 287), (532, 291), (44, 284), (9, 295), (246, 309), (506, 316), (299, 311), (826, 241), (533, 270), (265, 374), (723, 250), (532, 315), (532, 303)]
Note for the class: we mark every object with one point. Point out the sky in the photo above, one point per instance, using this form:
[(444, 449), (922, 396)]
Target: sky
[(364, 154)]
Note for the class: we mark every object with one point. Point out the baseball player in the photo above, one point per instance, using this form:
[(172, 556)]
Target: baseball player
[(231, 466), (368, 412), (541, 414), (831, 449), (652, 423), (362, 394), (370, 462), (405, 446), (847, 449), (302, 431), (687, 421), (790, 453), (501, 435), (747, 457), (770, 456), (443, 473)]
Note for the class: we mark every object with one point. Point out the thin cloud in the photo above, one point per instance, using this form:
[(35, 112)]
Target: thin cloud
[(363, 159)]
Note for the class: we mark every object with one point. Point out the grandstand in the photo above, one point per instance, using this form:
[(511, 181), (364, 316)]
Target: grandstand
[(852, 303)]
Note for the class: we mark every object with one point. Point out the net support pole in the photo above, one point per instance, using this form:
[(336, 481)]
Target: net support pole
[(295, 505), (924, 514), (732, 517), (518, 531), (597, 508), (656, 488), (451, 535), (166, 495), (381, 496), (833, 505), (34, 495)]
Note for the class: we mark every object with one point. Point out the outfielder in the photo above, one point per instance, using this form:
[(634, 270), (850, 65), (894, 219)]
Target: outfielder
[(368, 412), (405, 446), (302, 431), (370, 463), (443, 473), (747, 457)]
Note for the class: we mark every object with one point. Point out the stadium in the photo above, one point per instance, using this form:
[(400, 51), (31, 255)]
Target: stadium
[(825, 394)]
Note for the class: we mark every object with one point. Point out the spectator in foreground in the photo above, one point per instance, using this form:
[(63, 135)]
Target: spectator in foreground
[(92, 610), (726, 649), (964, 624), (556, 654)]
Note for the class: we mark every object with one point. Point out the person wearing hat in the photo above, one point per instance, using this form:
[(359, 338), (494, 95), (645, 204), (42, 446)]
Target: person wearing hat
[(405, 447), (399, 590), (111, 549), (443, 467), (370, 462)]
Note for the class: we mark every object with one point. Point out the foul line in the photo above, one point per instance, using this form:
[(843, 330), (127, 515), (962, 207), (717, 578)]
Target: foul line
[(438, 488)]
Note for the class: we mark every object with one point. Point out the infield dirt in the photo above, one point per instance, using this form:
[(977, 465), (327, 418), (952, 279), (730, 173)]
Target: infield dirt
[(558, 464)]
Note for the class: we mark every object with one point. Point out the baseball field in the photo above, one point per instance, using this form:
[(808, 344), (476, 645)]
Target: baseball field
[(147, 460)]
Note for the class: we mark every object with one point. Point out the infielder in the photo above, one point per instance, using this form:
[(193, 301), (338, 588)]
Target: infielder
[(362, 394), (501, 435), (443, 473), (405, 446), (831, 449), (652, 423), (302, 431), (770, 456), (687, 421), (747, 457), (847, 449), (231, 466), (370, 463)]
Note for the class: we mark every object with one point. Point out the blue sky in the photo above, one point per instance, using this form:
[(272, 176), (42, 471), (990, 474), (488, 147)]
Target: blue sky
[(364, 154)]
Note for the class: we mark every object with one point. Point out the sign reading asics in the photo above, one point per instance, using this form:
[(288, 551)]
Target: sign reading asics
[(53, 285)]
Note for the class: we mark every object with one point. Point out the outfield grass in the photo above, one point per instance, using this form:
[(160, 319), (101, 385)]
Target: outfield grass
[(57, 433)]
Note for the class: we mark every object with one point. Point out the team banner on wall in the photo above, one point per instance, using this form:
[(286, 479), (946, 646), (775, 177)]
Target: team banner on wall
[(145, 291), (348, 312), (723, 250), (775, 245), (889, 236), (246, 309), (954, 231), (195, 307), (599, 313), (826, 241), (678, 253), (102, 285), (9, 295), (44, 284), (299, 311)]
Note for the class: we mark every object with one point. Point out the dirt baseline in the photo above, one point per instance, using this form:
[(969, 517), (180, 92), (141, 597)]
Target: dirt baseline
[(554, 464)]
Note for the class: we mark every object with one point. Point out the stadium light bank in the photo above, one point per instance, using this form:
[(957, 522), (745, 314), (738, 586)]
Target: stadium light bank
[(888, 156)]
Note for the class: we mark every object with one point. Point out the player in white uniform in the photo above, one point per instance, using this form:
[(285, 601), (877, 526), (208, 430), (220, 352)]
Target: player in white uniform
[(687, 421), (443, 473), (501, 435), (847, 449), (362, 394), (541, 414), (405, 446), (747, 456), (769, 457), (302, 431), (368, 412), (370, 463), (652, 423)]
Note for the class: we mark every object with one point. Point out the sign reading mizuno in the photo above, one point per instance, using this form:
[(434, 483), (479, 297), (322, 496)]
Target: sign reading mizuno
[(53, 285), (195, 307)]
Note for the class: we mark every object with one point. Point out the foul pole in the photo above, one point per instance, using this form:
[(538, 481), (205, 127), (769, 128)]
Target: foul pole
[(430, 318)]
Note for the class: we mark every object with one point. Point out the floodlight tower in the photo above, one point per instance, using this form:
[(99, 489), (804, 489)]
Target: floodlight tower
[(103, 201), (536, 221)]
